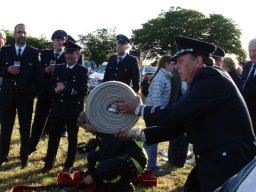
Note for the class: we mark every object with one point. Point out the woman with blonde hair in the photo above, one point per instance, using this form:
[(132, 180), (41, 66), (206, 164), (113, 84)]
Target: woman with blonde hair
[(231, 65)]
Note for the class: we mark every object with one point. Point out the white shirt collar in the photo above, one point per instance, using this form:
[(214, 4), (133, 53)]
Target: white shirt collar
[(118, 56), (22, 48), (70, 67)]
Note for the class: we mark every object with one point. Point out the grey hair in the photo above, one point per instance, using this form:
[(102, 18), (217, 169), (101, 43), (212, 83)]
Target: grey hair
[(252, 42)]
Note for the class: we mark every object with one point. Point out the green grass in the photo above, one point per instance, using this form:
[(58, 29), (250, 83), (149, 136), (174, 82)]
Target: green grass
[(11, 174)]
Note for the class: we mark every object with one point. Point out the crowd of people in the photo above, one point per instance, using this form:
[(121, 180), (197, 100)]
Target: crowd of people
[(200, 95)]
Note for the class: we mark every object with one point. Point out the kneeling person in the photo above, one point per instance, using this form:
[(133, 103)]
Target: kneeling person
[(117, 162)]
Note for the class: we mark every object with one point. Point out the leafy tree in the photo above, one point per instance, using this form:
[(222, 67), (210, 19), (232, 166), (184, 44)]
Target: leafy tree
[(157, 36), (98, 46), (225, 33)]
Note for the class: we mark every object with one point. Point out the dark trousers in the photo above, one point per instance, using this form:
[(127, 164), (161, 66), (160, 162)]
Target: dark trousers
[(177, 151), (23, 103), (43, 107), (108, 169), (57, 125)]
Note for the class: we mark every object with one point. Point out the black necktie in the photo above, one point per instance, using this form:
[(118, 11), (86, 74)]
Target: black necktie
[(119, 59), (252, 73), (247, 86), (19, 52), (56, 55)]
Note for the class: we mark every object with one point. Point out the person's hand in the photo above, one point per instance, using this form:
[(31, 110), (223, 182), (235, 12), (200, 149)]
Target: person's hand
[(87, 180), (59, 87), (13, 70), (49, 69), (129, 105), (131, 134), (123, 135), (88, 128)]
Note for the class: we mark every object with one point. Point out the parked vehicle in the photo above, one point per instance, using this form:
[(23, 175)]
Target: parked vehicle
[(96, 78), (147, 72), (93, 66), (88, 66)]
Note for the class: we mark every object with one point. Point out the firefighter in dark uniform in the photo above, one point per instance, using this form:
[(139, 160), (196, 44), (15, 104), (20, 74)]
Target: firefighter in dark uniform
[(20, 69), (212, 113), (44, 98), (116, 162), (68, 86), (123, 67)]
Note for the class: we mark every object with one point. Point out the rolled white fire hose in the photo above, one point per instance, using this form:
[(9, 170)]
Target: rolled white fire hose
[(102, 111)]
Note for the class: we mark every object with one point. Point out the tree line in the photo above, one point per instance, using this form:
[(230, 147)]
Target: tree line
[(157, 36)]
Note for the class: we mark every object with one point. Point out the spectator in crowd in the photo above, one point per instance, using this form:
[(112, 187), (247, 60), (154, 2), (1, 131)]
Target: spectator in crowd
[(218, 55), (2, 39), (249, 82), (21, 71), (212, 113), (162, 89), (241, 64), (123, 67), (159, 93), (49, 58), (116, 163), (68, 86), (230, 64)]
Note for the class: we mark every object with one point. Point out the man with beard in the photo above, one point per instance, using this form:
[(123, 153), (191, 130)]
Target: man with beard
[(20, 69)]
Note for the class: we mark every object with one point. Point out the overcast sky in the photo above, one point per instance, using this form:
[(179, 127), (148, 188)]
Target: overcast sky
[(83, 16)]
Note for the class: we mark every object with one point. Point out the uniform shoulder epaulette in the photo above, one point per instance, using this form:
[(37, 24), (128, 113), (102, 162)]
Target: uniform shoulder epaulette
[(45, 50), (35, 48)]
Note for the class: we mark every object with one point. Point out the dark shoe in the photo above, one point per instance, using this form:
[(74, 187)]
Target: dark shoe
[(45, 170), (64, 134), (3, 162), (31, 153), (24, 164), (67, 169)]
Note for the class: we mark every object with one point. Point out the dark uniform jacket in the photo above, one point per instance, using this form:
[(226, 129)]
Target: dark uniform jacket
[(46, 56), (126, 71), (249, 92), (30, 71), (112, 147), (70, 102), (214, 115)]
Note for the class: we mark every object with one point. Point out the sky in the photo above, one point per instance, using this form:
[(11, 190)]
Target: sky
[(86, 16)]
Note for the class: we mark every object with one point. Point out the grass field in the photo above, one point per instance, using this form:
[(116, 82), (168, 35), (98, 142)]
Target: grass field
[(11, 174)]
